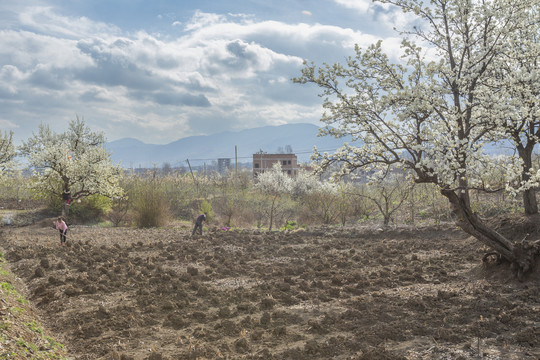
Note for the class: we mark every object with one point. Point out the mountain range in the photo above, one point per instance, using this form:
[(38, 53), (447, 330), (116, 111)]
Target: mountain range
[(206, 149)]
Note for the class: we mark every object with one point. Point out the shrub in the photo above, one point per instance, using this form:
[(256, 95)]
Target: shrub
[(120, 212), (290, 225), (90, 209), (206, 207), (150, 203)]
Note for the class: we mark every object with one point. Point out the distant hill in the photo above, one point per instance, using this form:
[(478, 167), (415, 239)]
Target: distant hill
[(207, 149)]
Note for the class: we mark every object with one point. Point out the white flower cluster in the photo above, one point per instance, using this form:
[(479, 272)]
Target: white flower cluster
[(275, 181), (75, 160), (7, 153), (469, 77)]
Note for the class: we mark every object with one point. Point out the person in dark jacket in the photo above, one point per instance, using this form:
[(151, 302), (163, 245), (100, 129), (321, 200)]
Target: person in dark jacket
[(198, 224)]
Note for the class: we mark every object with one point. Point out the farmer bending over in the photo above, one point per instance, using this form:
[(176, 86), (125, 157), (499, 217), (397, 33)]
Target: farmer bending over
[(198, 224), (62, 228)]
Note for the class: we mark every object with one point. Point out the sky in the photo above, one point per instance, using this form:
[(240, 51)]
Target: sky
[(161, 70)]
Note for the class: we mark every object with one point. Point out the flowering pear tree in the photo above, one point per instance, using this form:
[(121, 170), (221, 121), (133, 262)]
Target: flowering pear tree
[(427, 113), (516, 82), (74, 162), (320, 198), (7, 151), (388, 193), (274, 183)]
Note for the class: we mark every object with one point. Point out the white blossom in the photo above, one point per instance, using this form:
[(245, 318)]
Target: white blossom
[(75, 160)]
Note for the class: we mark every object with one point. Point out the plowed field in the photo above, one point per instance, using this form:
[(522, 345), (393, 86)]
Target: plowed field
[(319, 294)]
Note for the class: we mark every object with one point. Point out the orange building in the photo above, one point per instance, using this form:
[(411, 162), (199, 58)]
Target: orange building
[(263, 162)]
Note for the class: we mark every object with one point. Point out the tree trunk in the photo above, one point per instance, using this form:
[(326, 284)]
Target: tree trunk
[(521, 254), (412, 207), (530, 204), (272, 213), (386, 211), (65, 210)]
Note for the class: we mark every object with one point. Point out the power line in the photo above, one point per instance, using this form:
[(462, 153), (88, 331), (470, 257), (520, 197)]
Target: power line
[(250, 157)]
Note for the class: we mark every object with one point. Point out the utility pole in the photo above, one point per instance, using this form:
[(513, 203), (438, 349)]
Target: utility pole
[(193, 176)]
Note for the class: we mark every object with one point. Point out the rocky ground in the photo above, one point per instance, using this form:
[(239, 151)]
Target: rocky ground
[(319, 294)]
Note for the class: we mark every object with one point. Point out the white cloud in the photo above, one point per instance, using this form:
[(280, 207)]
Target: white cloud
[(362, 6), (43, 19), (25, 49), (280, 79), (303, 40), (219, 72), (8, 125), (394, 18), (201, 20), (9, 77), (388, 16)]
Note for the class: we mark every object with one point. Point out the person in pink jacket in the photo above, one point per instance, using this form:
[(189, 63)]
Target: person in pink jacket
[(62, 228)]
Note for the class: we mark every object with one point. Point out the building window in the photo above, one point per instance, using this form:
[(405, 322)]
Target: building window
[(289, 162), (289, 172), (284, 162), (256, 165)]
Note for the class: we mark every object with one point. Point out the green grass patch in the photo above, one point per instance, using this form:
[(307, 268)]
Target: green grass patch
[(22, 300), (17, 310), (53, 344), (105, 224), (8, 288), (35, 327), (23, 325)]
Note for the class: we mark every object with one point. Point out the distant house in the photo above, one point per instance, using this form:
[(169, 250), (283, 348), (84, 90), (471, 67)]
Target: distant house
[(223, 164), (263, 161)]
